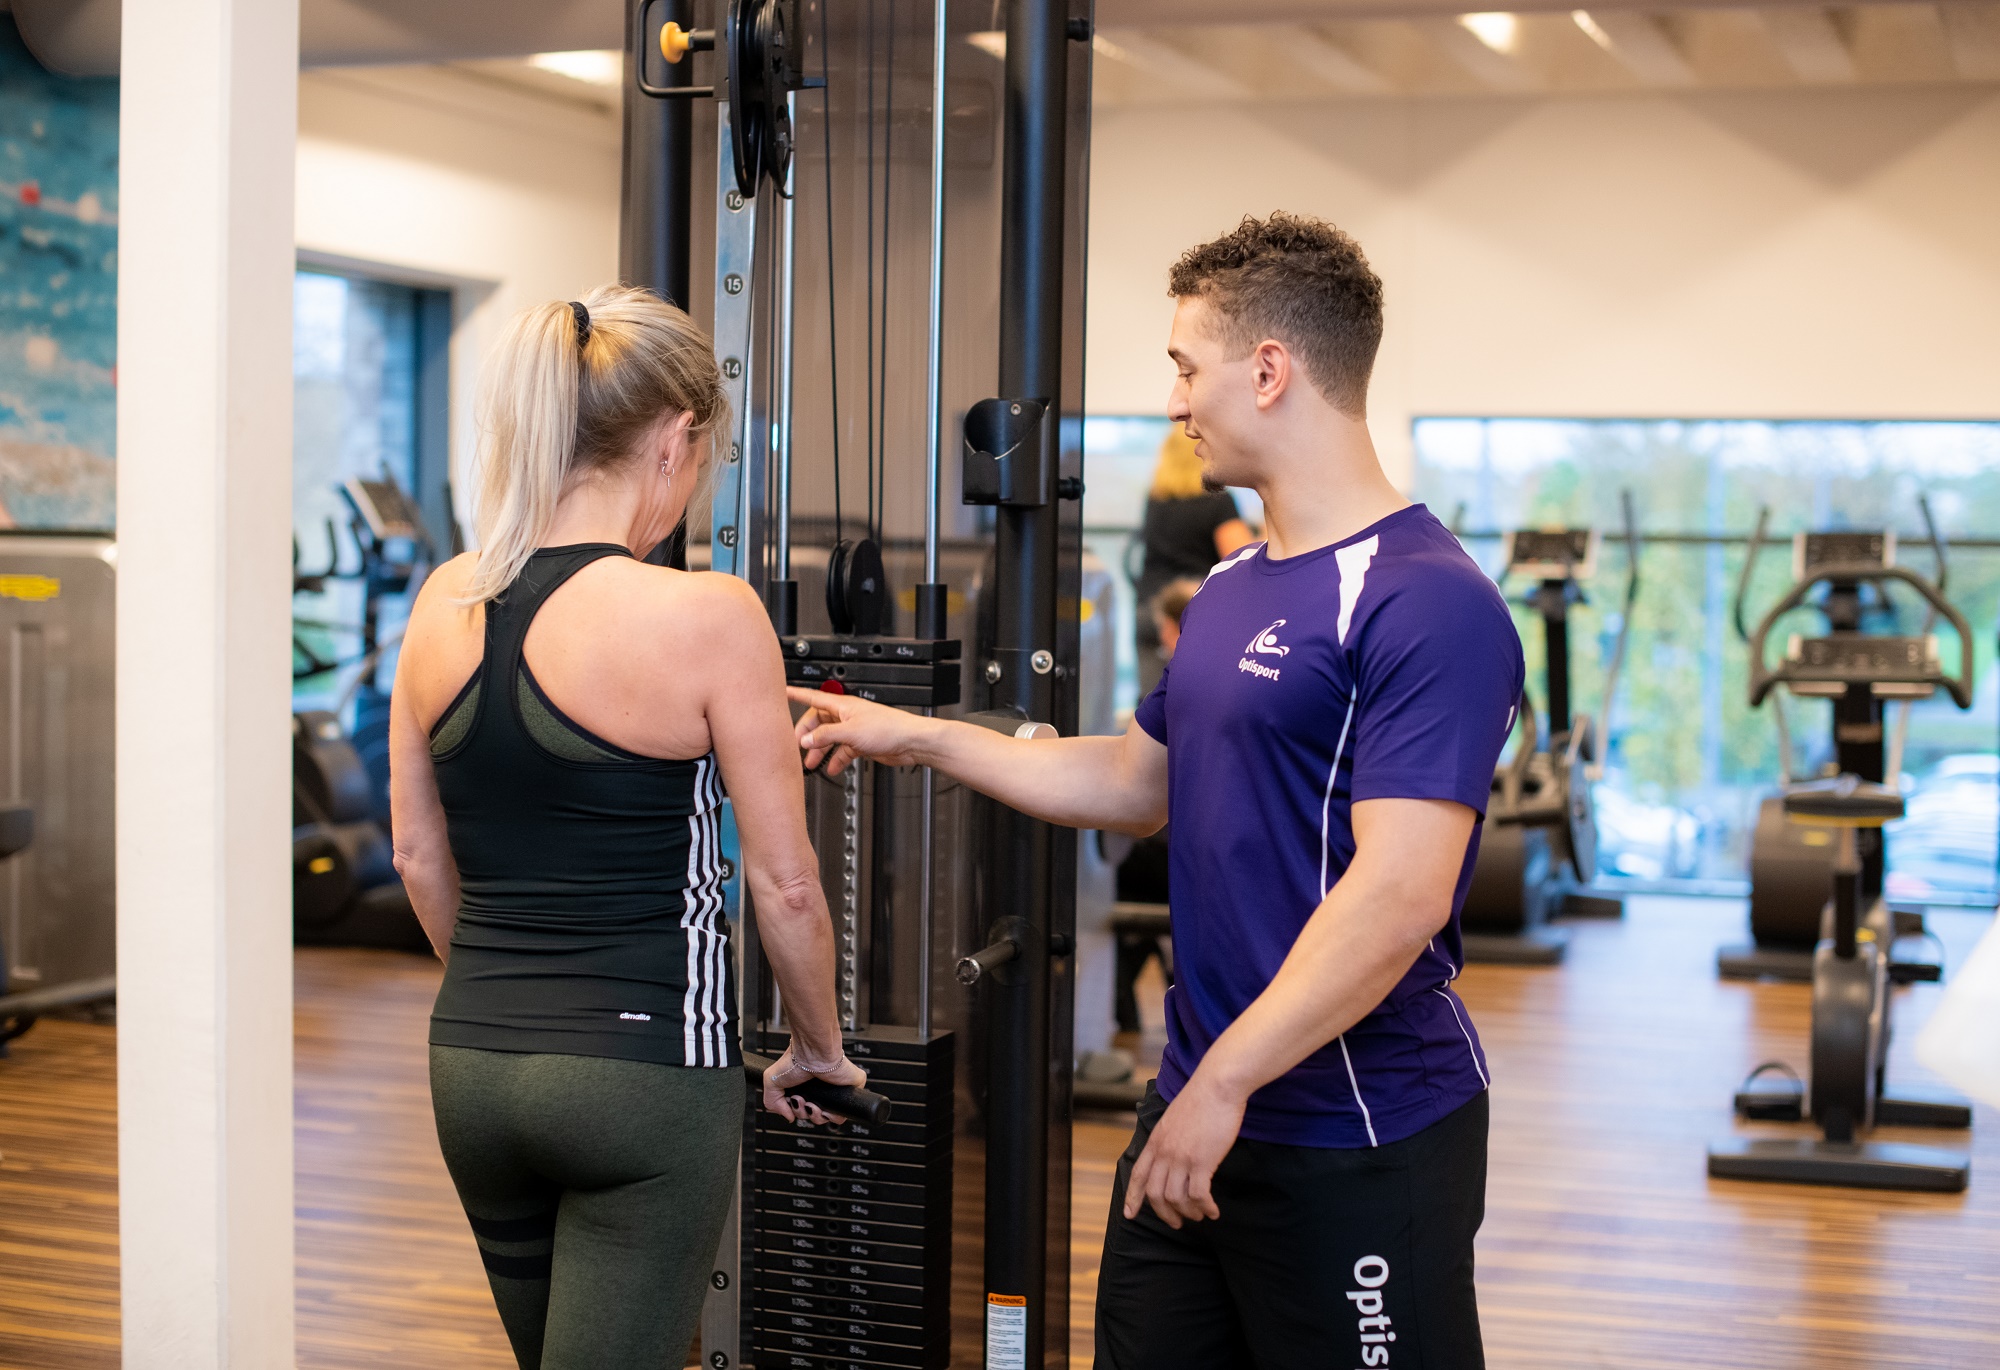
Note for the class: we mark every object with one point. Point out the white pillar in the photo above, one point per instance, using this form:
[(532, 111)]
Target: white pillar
[(207, 131)]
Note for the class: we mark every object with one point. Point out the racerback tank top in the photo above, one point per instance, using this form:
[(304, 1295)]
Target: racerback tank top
[(590, 917)]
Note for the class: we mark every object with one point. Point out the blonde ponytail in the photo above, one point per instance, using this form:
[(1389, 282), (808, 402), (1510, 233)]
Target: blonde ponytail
[(554, 406)]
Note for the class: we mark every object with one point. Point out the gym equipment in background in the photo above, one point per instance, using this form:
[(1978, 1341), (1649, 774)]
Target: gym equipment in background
[(1860, 672), (1855, 963), (345, 890), (920, 877), (1853, 975), (1538, 853), (58, 898)]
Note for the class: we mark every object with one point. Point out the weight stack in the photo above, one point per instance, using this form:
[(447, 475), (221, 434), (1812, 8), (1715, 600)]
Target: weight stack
[(849, 1242)]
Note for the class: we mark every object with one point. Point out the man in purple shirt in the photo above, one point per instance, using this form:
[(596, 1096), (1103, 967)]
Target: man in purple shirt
[(1309, 1172)]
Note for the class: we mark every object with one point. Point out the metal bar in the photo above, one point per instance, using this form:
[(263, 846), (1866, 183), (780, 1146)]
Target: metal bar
[(735, 250), (656, 198), (934, 441), (935, 357), (781, 567), (1021, 859)]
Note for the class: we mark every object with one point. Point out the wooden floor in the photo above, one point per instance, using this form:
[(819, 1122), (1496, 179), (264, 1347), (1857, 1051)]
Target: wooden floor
[(1605, 1244)]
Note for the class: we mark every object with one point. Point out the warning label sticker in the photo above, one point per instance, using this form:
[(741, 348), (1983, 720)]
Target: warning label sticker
[(1006, 1332)]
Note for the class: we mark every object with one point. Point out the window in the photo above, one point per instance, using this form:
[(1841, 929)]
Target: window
[(368, 402), (1688, 758)]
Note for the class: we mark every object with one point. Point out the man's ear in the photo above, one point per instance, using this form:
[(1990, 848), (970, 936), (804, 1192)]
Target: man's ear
[(1270, 371)]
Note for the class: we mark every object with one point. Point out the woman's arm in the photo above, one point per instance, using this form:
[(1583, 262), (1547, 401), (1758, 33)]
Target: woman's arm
[(750, 728), (423, 853)]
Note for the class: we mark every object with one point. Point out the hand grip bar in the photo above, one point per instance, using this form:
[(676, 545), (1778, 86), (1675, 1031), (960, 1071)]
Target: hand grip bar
[(861, 1105)]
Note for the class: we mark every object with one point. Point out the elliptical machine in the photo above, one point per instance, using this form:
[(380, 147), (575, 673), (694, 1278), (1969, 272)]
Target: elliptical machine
[(1790, 862), (345, 890), (1854, 967), (1539, 851)]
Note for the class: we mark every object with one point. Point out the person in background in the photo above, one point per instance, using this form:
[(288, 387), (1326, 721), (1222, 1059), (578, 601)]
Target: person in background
[(559, 758), (1168, 606), (1189, 526)]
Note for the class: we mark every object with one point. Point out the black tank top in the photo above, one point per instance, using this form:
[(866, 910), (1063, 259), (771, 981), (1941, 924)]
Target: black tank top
[(590, 916)]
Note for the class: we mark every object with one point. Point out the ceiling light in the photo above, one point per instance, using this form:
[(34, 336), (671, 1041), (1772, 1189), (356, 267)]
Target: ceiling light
[(592, 66), (992, 42), (1498, 30), (1593, 28)]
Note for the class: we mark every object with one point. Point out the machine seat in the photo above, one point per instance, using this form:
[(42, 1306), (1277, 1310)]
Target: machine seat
[(1846, 801)]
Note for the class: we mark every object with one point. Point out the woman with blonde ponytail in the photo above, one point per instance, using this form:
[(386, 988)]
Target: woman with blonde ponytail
[(565, 723)]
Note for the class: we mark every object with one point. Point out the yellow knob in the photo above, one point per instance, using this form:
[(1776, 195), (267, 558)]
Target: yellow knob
[(675, 42)]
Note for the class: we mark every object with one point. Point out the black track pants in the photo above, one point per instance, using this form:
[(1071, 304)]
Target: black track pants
[(596, 1189), (1322, 1260)]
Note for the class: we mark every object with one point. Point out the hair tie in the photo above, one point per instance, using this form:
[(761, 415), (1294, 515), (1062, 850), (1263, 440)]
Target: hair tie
[(582, 321)]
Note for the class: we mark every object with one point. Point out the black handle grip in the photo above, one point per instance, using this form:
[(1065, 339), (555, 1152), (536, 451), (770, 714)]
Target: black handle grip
[(861, 1105)]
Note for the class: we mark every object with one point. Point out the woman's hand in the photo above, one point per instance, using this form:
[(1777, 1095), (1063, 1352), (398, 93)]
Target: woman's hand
[(841, 728), (788, 1072)]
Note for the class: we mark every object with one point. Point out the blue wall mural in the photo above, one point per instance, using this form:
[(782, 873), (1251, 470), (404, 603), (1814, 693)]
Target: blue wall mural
[(58, 293)]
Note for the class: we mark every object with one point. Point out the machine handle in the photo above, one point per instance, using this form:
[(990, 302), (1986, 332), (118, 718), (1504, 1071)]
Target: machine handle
[(1601, 738), (1749, 565), (675, 43), (861, 1105), (1763, 679), (1937, 543)]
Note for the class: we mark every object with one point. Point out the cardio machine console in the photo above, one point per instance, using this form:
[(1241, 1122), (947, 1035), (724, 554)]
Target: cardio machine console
[(1892, 667), (386, 510), (1813, 551), (1551, 553)]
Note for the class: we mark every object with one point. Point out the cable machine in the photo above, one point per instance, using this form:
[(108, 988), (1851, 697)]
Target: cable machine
[(839, 1247)]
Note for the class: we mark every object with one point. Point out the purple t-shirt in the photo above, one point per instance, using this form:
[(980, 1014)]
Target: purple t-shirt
[(1382, 667)]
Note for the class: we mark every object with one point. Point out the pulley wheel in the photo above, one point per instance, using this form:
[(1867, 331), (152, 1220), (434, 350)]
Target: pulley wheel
[(837, 611), (867, 588), (760, 128)]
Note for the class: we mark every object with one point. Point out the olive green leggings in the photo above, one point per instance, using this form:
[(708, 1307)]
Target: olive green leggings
[(597, 1190)]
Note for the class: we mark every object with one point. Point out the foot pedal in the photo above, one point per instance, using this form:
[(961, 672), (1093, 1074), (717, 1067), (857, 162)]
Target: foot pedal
[(1915, 966), (1779, 1098)]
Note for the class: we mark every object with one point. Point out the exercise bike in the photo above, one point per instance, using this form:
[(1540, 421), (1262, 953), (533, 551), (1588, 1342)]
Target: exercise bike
[(1538, 854), (1854, 966), (1790, 863)]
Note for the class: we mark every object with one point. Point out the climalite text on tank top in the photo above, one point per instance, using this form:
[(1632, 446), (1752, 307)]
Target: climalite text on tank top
[(1385, 666)]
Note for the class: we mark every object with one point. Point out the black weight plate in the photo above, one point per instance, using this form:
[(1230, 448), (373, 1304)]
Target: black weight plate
[(867, 588)]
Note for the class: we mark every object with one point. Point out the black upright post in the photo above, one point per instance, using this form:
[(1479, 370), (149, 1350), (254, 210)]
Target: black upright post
[(656, 188), (1024, 648), (655, 192)]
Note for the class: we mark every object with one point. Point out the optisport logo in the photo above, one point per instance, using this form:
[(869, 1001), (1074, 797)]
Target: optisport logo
[(1371, 1273), (1266, 642)]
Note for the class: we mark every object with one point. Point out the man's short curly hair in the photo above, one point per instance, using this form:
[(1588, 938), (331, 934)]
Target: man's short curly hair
[(1301, 281)]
